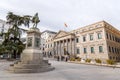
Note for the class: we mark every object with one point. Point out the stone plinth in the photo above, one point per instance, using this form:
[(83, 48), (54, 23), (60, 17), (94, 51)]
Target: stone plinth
[(31, 58)]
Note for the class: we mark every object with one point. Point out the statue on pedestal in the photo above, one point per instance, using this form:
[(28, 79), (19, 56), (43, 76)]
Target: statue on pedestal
[(31, 58)]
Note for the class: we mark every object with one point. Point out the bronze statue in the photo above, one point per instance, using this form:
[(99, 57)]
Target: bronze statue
[(35, 20)]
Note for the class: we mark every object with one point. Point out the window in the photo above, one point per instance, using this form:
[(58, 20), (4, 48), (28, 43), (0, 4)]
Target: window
[(116, 39), (92, 49), (115, 50), (113, 38), (110, 37), (107, 35), (78, 51), (84, 38), (91, 37), (77, 40), (110, 57), (99, 36), (113, 57), (118, 51), (100, 49), (51, 45), (109, 49), (85, 50), (112, 49)]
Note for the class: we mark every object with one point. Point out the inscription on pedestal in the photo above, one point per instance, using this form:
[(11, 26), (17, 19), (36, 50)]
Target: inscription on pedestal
[(37, 42), (29, 42)]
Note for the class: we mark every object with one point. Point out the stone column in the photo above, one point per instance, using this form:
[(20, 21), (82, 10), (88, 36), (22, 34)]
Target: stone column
[(54, 48), (63, 47), (60, 47), (71, 46), (74, 46), (59, 51), (67, 45), (57, 48)]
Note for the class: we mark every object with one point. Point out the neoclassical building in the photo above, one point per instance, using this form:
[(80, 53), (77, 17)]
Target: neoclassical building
[(47, 43), (64, 41), (99, 40)]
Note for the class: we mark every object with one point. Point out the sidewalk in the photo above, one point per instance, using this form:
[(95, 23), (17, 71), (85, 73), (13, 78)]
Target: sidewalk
[(96, 64)]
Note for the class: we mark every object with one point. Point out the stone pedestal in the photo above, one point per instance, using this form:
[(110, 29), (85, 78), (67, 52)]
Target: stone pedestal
[(31, 58)]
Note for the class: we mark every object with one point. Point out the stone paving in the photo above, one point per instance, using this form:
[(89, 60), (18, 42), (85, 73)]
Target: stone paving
[(64, 71)]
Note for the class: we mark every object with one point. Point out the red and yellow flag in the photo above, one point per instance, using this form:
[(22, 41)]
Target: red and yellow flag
[(65, 25)]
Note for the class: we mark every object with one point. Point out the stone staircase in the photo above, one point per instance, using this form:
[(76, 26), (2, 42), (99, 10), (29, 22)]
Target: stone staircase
[(29, 67)]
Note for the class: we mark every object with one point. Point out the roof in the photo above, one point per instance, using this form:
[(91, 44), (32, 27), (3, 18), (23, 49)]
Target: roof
[(62, 33), (49, 32)]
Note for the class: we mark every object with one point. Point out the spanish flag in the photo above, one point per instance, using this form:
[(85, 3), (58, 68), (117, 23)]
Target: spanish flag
[(65, 25)]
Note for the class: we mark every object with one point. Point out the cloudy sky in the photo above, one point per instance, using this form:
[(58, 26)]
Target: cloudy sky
[(75, 13)]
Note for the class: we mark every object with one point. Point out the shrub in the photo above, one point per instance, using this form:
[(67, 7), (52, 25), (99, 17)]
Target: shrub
[(111, 62), (78, 59), (72, 59), (98, 61), (88, 60)]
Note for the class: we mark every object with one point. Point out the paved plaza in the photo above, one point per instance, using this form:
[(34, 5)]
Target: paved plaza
[(64, 71)]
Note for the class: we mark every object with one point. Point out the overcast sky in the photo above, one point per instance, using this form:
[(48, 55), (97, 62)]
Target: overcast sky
[(75, 13)]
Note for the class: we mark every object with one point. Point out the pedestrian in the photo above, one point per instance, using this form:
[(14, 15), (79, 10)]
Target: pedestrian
[(58, 58), (66, 59)]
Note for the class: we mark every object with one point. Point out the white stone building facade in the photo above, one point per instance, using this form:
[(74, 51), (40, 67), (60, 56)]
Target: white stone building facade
[(99, 40), (47, 44)]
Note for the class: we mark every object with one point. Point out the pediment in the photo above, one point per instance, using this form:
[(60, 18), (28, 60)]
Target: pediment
[(61, 34)]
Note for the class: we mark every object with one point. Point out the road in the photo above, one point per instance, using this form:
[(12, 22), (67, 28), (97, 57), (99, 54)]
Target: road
[(64, 71)]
